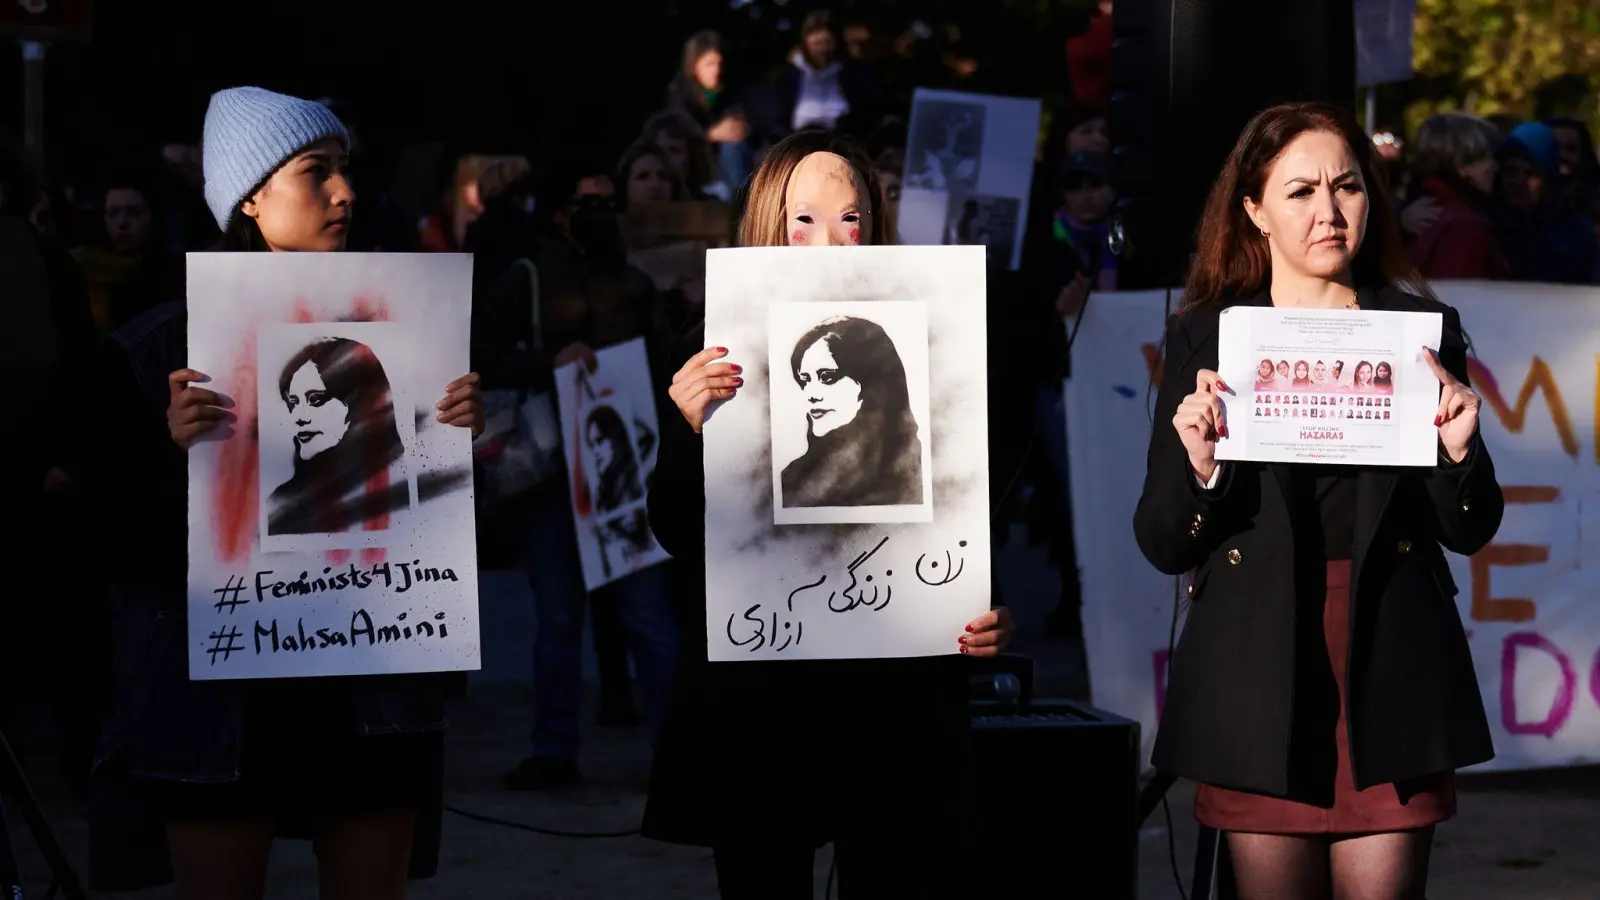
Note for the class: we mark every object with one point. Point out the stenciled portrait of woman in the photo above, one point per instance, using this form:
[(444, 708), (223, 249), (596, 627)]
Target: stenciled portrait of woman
[(847, 386), (617, 478), (346, 455)]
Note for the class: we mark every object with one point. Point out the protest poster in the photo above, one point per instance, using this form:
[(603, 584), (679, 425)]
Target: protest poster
[(331, 526), (968, 172), (608, 423), (847, 484), (1347, 387), (1526, 599)]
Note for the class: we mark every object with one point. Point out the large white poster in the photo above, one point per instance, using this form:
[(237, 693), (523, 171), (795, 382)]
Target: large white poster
[(608, 419), (847, 484), (331, 525), (1527, 599), (968, 171)]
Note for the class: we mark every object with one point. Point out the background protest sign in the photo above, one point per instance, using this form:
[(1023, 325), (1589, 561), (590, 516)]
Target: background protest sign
[(608, 420), (968, 171)]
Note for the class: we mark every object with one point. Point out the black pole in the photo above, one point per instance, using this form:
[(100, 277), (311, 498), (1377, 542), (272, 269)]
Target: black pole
[(15, 786)]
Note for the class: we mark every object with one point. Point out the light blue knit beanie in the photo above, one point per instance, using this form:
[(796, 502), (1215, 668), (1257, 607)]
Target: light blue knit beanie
[(249, 133)]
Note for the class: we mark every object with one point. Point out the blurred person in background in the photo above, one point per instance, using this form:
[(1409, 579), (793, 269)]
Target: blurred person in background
[(187, 224), (1074, 128), (589, 298), (1544, 237), (129, 268), (1453, 175), (1065, 264), (646, 175), (445, 229), (700, 92), (688, 152), (820, 87), (1089, 57), (1579, 165)]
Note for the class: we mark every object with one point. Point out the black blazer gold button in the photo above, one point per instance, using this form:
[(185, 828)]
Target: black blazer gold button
[(1403, 547), (1234, 558)]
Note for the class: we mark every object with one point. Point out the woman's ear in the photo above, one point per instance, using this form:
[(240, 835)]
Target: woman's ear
[(250, 208), (1253, 210)]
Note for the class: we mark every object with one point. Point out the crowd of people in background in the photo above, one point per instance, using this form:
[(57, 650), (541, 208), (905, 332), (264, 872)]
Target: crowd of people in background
[(565, 263)]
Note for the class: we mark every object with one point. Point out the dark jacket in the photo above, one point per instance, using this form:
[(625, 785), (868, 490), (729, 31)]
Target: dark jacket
[(1412, 696), (791, 752), (161, 724)]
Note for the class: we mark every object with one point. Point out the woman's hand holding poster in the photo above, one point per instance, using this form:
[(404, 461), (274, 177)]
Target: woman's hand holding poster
[(331, 525), (1328, 386), (608, 420), (847, 485)]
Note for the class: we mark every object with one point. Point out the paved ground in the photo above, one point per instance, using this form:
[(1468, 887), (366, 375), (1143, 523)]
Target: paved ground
[(1523, 837)]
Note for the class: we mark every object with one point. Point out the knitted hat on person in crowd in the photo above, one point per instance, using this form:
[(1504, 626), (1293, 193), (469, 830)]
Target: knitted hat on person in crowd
[(249, 133)]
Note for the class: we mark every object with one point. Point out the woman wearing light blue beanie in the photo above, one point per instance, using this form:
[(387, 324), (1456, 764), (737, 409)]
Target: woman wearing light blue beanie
[(355, 764)]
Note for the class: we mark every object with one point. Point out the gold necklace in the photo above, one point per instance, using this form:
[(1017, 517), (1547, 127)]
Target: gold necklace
[(1354, 301)]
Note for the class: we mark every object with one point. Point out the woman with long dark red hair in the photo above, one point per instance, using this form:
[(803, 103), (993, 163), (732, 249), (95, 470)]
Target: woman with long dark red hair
[(1323, 692)]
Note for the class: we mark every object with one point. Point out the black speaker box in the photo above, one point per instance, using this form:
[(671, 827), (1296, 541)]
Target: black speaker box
[(1060, 786), (1186, 75)]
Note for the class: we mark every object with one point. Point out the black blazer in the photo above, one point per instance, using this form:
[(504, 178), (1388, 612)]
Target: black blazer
[(1413, 706)]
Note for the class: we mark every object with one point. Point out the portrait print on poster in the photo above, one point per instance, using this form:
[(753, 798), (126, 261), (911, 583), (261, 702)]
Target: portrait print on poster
[(335, 426), (850, 412), (617, 447), (946, 146)]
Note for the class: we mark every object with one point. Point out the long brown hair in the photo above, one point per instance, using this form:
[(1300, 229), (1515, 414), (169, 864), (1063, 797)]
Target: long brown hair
[(699, 44), (1232, 259), (764, 219)]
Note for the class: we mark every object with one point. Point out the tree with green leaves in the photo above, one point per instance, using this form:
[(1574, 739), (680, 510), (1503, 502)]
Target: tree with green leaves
[(1531, 58)]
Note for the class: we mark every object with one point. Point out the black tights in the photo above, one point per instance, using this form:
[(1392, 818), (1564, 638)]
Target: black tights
[(1365, 867), (866, 870)]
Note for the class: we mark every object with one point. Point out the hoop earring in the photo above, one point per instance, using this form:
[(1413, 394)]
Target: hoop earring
[(1264, 233)]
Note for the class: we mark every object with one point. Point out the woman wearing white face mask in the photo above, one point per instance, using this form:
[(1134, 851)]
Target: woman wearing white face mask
[(766, 762), (226, 766), (1323, 692)]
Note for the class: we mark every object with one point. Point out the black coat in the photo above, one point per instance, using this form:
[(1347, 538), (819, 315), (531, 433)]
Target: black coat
[(793, 752), (1413, 706)]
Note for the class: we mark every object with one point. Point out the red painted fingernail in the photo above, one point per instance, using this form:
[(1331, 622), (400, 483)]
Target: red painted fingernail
[(963, 649), (722, 349), (1221, 385), (962, 640), (1437, 421), (1223, 431), (738, 380), (736, 369), (971, 629)]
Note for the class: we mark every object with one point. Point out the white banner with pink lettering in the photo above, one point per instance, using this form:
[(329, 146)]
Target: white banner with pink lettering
[(1529, 600)]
